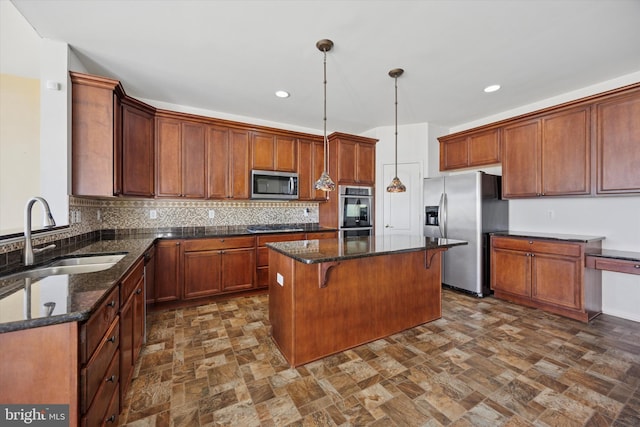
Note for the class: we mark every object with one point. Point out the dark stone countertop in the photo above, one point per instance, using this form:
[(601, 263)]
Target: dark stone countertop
[(77, 295), (326, 250), (550, 236)]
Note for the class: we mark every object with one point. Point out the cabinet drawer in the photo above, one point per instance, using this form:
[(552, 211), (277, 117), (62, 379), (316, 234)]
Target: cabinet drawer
[(102, 405), (264, 239), (100, 367), (322, 235), (538, 246), (131, 281), (218, 243), (617, 265), (93, 330)]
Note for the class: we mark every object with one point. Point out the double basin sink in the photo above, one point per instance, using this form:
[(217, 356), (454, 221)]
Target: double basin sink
[(69, 265)]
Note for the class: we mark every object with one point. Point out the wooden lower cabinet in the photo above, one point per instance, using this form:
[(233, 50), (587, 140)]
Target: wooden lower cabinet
[(213, 266), (131, 323), (167, 283), (546, 274)]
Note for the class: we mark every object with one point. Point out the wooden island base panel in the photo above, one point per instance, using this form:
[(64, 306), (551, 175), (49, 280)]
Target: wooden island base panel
[(326, 296)]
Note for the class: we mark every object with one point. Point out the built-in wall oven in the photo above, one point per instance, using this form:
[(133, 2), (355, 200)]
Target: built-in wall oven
[(355, 216)]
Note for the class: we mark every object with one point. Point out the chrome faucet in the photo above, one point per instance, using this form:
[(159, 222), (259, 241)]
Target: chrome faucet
[(49, 222)]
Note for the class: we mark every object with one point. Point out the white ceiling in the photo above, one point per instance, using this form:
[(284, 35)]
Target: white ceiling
[(231, 56)]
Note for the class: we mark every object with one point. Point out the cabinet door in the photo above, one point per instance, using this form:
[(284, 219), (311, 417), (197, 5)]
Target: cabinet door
[(138, 318), (167, 275), (168, 158), (137, 152), (618, 144), (239, 161), (310, 167), (126, 345), (454, 153), (557, 280), (218, 163), (566, 153), (285, 154), (521, 160), (484, 148), (262, 151), (305, 169), (193, 160), (366, 164), (347, 162), (511, 272), (202, 271), (238, 269), (150, 274)]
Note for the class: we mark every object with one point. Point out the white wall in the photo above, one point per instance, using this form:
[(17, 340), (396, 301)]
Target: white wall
[(616, 218)]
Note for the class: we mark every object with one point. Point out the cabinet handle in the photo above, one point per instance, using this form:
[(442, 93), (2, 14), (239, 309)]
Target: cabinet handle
[(112, 303), (138, 291), (177, 243), (112, 339), (533, 254), (111, 419), (636, 266), (530, 242), (111, 379)]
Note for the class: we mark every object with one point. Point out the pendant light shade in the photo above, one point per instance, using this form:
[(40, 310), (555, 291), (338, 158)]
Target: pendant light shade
[(396, 185), (325, 183)]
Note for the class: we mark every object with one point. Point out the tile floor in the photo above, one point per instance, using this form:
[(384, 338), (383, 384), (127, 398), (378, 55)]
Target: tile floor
[(484, 363)]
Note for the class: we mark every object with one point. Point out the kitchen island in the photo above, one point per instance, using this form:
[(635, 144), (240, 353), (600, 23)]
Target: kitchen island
[(329, 295)]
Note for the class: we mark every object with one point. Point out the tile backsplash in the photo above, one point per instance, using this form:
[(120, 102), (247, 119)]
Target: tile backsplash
[(87, 215)]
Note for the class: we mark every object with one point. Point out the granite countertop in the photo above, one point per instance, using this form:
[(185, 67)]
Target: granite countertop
[(77, 295), (326, 250), (550, 236)]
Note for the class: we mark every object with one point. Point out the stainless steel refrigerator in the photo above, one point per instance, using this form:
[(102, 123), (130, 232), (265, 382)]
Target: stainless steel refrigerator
[(465, 207)]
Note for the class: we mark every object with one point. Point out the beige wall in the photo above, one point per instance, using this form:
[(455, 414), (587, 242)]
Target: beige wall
[(19, 146)]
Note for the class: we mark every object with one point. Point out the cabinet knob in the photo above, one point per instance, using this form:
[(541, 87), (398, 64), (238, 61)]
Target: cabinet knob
[(111, 419), (111, 379), (138, 291), (177, 243), (530, 242), (112, 303), (533, 254), (636, 266), (112, 339), (221, 240)]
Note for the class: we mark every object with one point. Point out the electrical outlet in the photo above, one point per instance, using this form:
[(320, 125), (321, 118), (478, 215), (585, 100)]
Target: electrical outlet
[(99, 215), (78, 217), (212, 214), (306, 212), (153, 214)]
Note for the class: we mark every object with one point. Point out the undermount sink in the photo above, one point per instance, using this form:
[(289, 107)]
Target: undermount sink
[(71, 265)]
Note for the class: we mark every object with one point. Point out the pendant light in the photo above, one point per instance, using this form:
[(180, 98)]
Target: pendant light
[(396, 185), (325, 183)]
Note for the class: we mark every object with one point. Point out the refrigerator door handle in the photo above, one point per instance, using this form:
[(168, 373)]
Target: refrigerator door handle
[(442, 215)]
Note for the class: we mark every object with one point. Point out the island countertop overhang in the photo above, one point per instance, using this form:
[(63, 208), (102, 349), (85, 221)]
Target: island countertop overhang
[(330, 250)]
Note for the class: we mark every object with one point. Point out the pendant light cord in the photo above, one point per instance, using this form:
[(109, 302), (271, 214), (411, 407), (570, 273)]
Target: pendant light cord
[(326, 145), (396, 106)]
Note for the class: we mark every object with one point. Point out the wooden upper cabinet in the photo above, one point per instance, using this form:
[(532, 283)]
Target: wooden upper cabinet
[(180, 158), (273, 152), (618, 144), (96, 136), (228, 154), (520, 160), (356, 159), (310, 167), (566, 153), (469, 150), (137, 149), (548, 156)]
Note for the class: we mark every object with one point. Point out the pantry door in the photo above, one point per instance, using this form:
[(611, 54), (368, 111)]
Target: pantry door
[(401, 211)]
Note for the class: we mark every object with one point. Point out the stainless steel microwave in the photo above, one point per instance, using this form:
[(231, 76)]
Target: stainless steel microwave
[(274, 185)]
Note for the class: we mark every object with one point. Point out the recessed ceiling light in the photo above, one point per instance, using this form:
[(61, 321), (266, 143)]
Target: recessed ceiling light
[(491, 88), (282, 94)]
